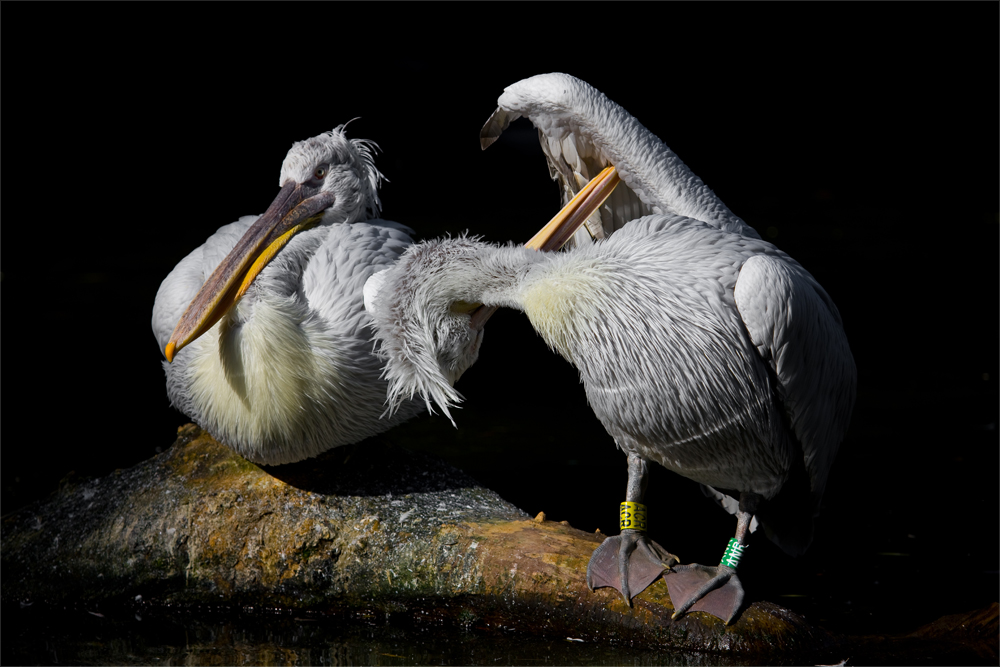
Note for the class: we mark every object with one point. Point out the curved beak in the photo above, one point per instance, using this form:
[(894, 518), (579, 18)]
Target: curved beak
[(561, 228), (297, 207)]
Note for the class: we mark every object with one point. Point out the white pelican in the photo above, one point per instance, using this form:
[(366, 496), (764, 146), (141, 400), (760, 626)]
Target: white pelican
[(701, 347), (267, 341)]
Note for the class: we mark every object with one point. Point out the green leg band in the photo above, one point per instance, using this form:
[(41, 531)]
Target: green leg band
[(731, 558)]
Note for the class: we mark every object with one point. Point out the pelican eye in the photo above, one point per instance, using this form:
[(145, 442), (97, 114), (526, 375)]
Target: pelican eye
[(320, 172)]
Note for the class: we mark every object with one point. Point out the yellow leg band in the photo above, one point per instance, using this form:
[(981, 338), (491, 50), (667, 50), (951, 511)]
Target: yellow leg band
[(633, 516)]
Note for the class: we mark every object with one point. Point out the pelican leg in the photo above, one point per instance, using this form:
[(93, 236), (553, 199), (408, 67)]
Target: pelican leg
[(629, 562), (714, 589)]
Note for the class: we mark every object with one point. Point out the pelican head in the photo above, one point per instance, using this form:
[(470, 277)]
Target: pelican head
[(428, 320), (334, 166), (324, 180)]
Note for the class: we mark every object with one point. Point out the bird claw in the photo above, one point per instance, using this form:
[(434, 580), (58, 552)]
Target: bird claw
[(629, 563), (715, 590)]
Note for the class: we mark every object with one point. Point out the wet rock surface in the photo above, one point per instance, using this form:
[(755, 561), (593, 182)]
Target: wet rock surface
[(377, 533), (199, 523)]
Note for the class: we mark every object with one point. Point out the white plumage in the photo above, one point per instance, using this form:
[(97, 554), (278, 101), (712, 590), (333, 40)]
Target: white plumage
[(701, 347), (581, 132), (654, 319), (288, 371)]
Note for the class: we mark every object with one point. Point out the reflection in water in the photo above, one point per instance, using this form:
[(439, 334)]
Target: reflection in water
[(168, 637)]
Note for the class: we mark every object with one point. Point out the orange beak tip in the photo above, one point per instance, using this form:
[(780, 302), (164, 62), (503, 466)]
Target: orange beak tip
[(169, 351)]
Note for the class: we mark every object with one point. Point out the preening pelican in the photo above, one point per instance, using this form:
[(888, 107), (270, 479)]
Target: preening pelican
[(700, 346), (267, 341)]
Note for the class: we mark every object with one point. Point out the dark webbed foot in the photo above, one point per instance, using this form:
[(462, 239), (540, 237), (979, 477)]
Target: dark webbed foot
[(712, 589), (628, 563)]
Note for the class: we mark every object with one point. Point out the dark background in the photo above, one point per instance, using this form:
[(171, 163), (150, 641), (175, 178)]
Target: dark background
[(861, 140)]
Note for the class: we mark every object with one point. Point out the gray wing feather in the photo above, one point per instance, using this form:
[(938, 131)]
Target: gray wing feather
[(798, 331), (494, 127), (573, 160), (333, 282), (581, 131)]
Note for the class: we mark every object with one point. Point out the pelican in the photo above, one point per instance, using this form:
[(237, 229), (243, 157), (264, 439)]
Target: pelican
[(701, 347), (263, 327)]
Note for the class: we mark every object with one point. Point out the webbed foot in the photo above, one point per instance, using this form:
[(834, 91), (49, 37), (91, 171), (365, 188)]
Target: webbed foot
[(712, 589), (628, 563)]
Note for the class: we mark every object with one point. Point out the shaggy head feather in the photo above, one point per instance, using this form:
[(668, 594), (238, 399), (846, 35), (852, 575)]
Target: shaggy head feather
[(423, 325), (349, 173)]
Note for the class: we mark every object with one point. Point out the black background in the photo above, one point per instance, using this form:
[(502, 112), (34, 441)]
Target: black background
[(865, 137)]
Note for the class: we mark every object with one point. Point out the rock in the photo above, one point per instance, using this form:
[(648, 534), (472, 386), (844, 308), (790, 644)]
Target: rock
[(369, 526), (978, 628), (198, 522)]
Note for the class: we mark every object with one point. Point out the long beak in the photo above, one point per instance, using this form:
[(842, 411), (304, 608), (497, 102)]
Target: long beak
[(561, 228), (293, 210)]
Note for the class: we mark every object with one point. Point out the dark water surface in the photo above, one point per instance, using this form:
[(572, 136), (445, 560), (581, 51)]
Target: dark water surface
[(199, 637)]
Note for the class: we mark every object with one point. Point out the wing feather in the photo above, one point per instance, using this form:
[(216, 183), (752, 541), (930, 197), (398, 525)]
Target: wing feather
[(581, 132), (798, 331)]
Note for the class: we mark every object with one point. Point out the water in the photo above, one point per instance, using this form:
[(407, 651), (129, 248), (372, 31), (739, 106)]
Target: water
[(165, 637)]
